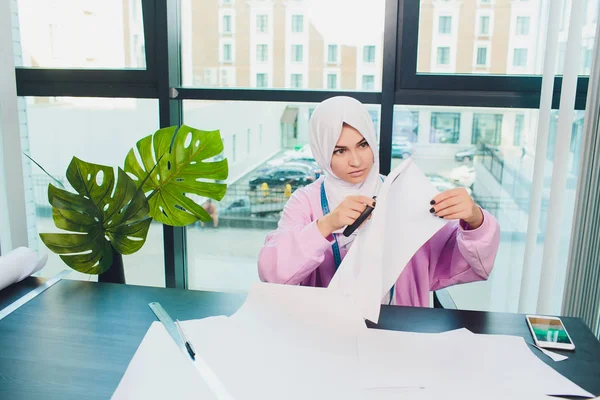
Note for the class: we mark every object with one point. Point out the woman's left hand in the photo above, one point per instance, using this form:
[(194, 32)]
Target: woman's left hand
[(457, 204)]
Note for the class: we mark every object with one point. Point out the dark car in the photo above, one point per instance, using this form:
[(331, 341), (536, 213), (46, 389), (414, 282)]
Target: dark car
[(295, 175), (401, 149), (470, 153)]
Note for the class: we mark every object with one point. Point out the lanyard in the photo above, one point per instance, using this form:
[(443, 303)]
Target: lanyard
[(335, 246)]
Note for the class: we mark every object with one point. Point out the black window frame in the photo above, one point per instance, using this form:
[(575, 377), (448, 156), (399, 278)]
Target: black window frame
[(401, 85)]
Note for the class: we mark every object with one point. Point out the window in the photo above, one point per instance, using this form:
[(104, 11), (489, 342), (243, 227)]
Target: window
[(296, 81), (102, 144), (248, 141), (368, 82), (504, 25), (445, 25), (297, 23), (519, 125), (443, 55), (405, 130), (226, 23), (233, 148), (227, 52), (520, 58), (332, 53), (369, 54), (261, 52), (297, 53), (59, 34), (481, 56), (445, 127), (332, 81), (261, 23), (587, 61), (261, 80), (256, 23), (227, 77), (484, 25), (522, 25), (487, 129)]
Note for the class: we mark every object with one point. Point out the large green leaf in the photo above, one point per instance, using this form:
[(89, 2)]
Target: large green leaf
[(106, 216), (181, 170)]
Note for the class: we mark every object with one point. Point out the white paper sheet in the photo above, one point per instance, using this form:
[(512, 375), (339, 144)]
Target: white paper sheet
[(18, 265), (554, 356), (455, 360), (400, 225), (285, 342), (159, 370)]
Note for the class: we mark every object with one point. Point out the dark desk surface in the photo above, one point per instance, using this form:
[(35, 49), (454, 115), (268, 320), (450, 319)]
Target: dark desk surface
[(76, 340)]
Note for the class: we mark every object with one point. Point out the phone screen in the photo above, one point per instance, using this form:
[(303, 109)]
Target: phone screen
[(549, 330)]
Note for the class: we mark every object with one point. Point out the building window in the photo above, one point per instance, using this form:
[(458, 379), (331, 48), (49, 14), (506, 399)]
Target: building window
[(296, 81), (443, 55), (227, 52), (445, 25), (331, 81), (297, 23), (248, 140), (332, 51), (520, 58), (368, 82), (226, 23), (261, 23), (487, 129), (445, 127), (226, 76), (587, 61), (484, 25), (369, 54), (261, 52), (481, 56), (519, 125), (522, 25), (233, 145), (261, 80), (297, 53)]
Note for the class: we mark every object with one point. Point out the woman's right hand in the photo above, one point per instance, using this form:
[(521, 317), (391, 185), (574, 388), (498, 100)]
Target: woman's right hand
[(344, 214)]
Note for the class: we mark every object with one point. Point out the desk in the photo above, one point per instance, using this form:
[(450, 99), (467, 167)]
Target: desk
[(76, 339)]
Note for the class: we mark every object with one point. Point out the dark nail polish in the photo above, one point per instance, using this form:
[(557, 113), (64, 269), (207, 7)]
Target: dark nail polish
[(374, 204), (431, 210), (441, 217), (432, 202)]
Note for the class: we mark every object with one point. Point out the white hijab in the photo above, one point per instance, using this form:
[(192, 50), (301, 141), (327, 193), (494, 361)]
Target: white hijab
[(325, 127)]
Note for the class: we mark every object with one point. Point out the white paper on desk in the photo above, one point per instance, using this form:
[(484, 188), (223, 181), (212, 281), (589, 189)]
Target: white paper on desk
[(287, 342), (159, 370), (400, 225), (18, 265), (455, 360)]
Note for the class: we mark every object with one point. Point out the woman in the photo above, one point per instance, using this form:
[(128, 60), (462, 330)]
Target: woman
[(306, 248)]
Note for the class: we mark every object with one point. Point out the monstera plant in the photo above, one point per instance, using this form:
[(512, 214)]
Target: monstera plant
[(108, 217)]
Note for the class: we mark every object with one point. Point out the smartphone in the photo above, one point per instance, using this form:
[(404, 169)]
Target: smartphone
[(549, 332)]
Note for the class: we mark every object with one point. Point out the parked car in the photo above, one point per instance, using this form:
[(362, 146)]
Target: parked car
[(295, 175), (401, 149), (470, 153), (243, 207)]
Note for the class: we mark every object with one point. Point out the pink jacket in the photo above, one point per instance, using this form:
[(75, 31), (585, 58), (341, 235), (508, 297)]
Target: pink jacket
[(297, 254)]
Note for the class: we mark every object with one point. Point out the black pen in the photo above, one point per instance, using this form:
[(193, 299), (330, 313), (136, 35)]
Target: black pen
[(365, 214), (188, 344)]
